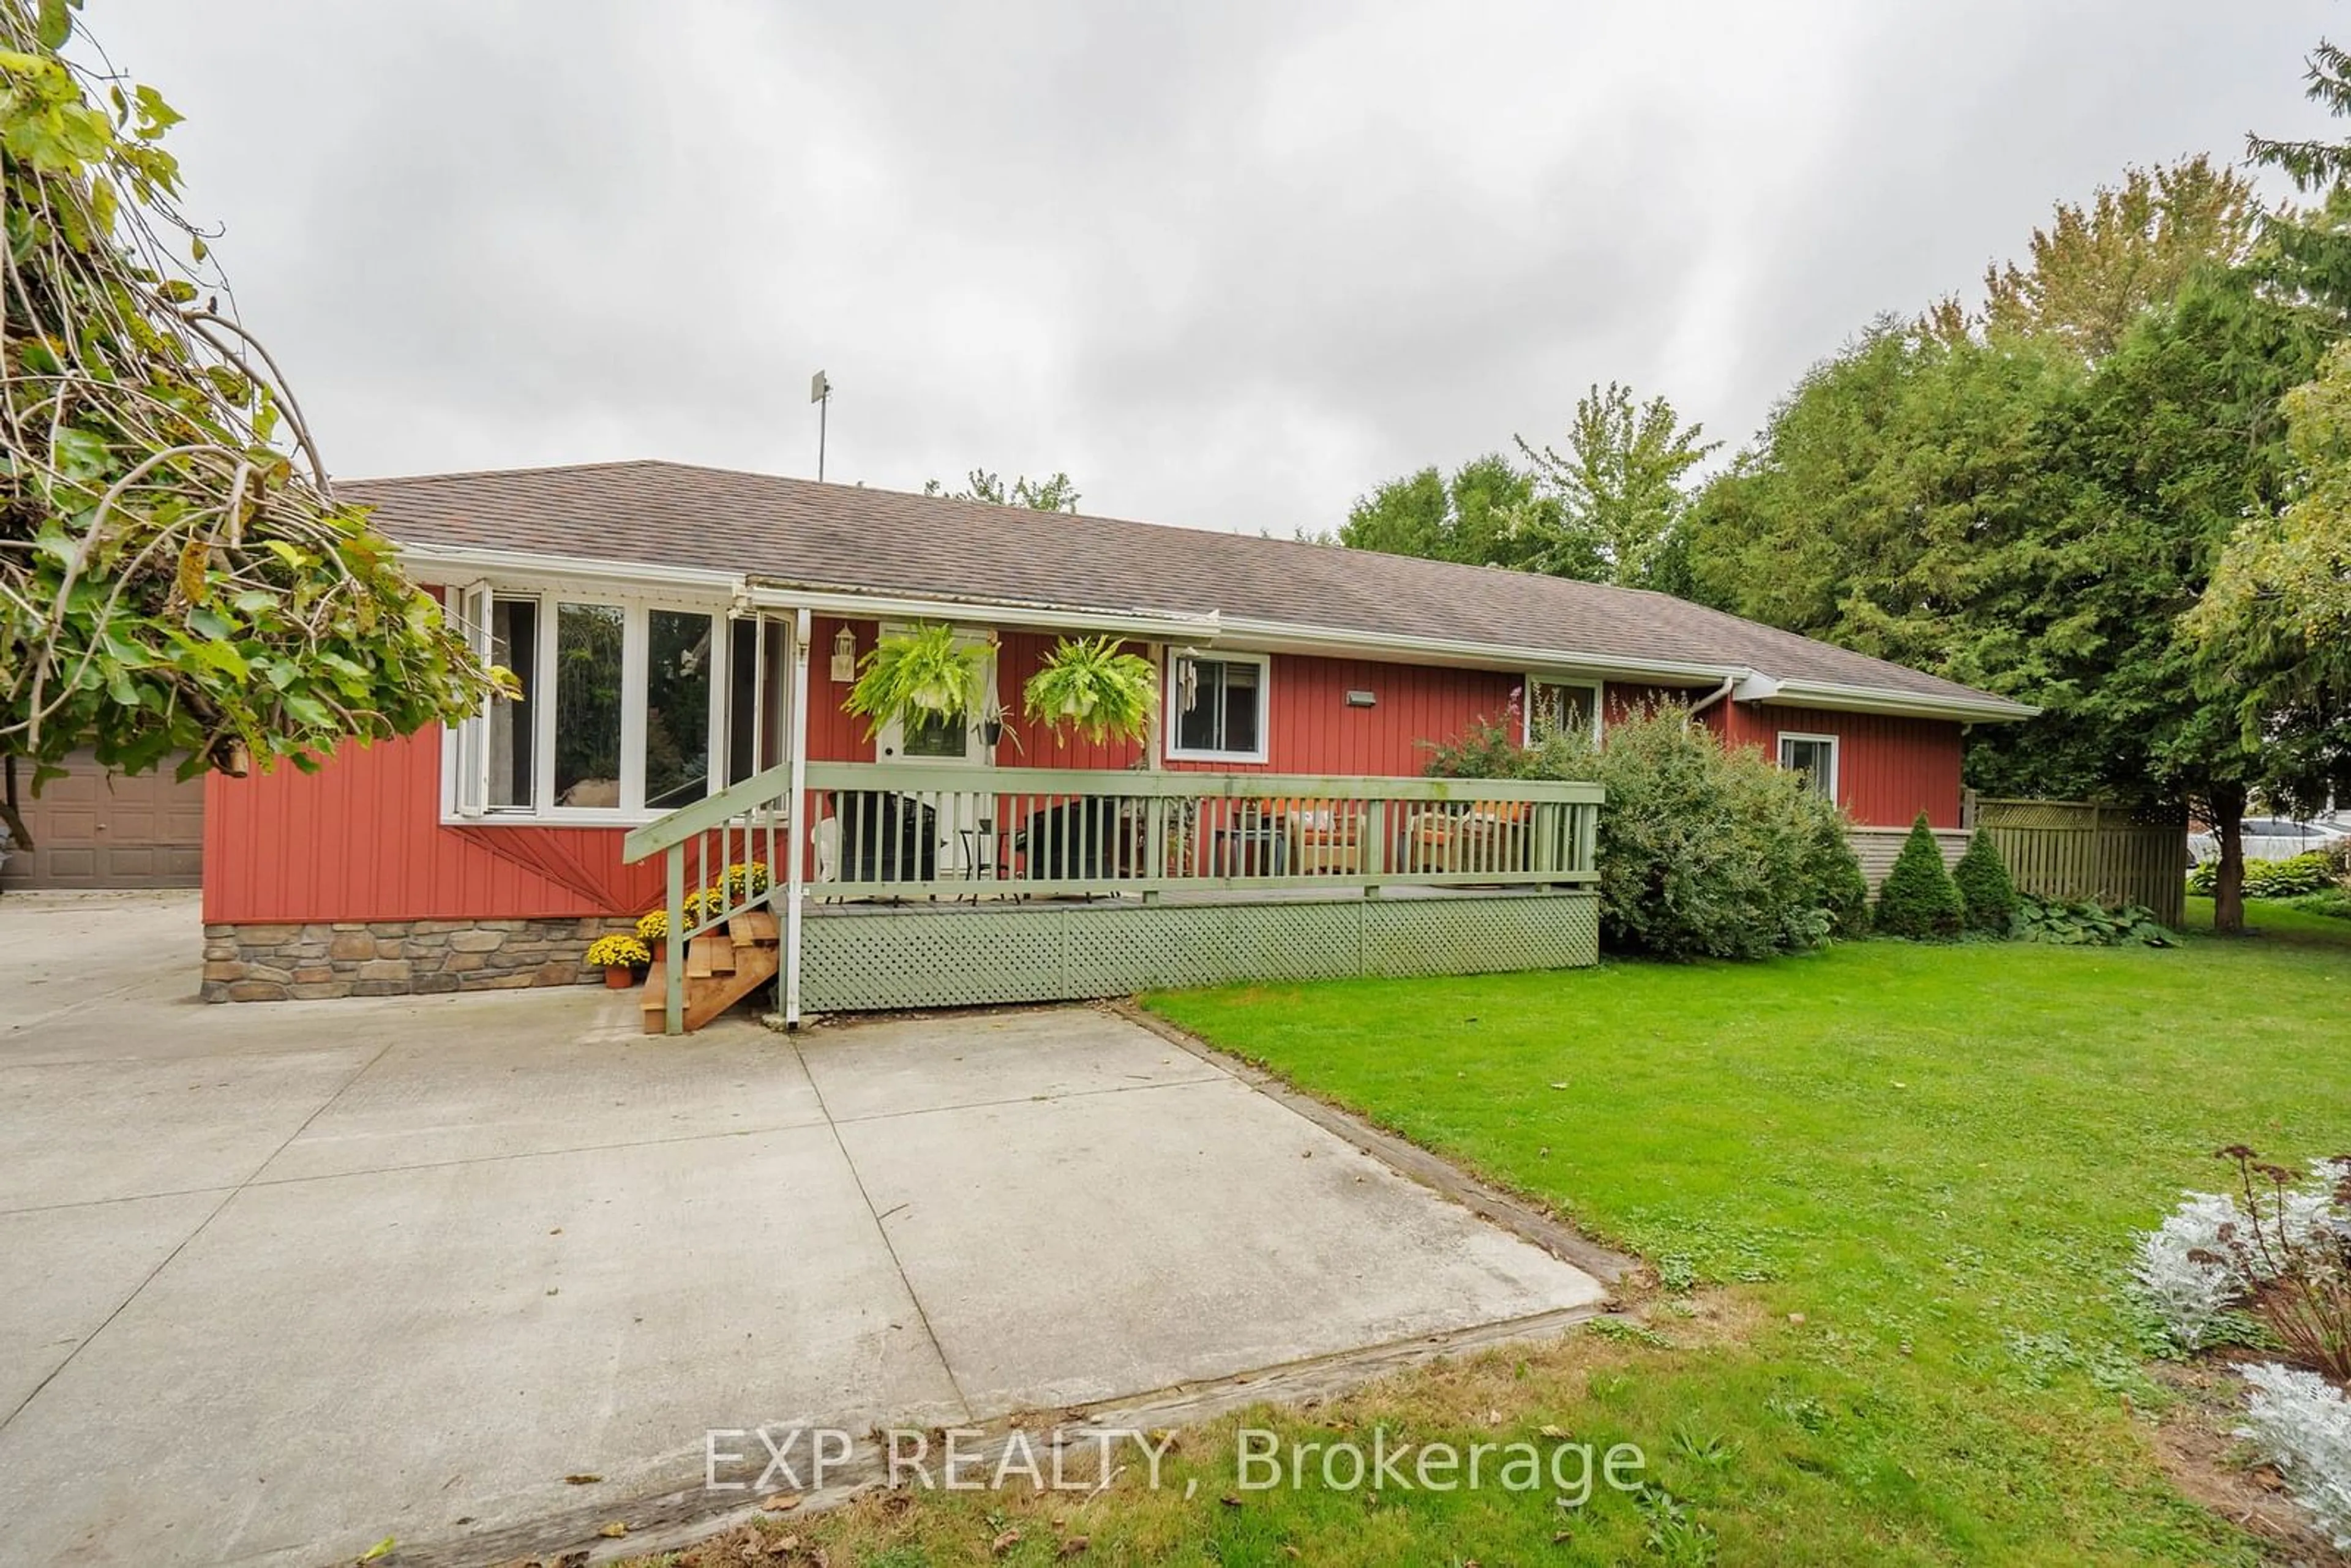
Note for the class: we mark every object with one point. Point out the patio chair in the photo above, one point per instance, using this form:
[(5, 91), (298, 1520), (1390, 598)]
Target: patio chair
[(1326, 843)]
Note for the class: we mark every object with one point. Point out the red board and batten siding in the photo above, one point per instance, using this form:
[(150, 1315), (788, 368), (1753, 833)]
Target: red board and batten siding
[(1888, 768), (363, 838)]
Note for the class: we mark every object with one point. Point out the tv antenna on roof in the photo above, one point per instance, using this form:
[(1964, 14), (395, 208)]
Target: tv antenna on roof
[(820, 394)]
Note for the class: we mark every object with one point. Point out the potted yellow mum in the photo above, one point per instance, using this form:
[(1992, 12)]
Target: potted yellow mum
[(620, 955)]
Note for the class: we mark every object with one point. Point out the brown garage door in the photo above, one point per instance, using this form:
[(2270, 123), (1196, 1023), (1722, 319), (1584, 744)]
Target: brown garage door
[(92, 830)]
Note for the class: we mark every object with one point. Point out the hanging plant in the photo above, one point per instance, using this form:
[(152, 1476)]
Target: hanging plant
[(1087, 686), (922, 674)]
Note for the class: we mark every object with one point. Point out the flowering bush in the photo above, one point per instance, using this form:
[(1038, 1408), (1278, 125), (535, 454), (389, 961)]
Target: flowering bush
[(618, 952), (653, 926), (2300, 1424)]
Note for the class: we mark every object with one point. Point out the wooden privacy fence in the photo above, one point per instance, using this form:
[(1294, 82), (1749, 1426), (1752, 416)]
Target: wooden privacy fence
[(2079, 849)]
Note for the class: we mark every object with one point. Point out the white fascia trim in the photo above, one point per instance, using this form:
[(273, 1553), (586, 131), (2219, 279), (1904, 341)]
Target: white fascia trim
[(445, 564), (1548, 662), (1147, 624), (1831, 696)]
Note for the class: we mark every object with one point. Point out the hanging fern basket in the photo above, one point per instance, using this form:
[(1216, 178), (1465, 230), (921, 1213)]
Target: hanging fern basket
[(921, 674), (1087, 687)]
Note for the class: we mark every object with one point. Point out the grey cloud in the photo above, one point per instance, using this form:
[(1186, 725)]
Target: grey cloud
[(1230, 265)]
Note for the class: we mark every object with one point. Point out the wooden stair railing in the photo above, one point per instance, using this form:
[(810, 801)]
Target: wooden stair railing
[(722, 968)]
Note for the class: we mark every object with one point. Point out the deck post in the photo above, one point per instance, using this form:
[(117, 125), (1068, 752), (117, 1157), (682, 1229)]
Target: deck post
[(795, 810), (673, 971)]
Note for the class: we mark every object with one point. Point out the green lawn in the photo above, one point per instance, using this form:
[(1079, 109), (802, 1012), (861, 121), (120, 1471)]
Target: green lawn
[(1905, 1179)]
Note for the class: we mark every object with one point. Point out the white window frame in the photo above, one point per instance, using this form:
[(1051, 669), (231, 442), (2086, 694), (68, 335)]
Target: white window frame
[(1598, 688), (1173, 710), (889, 739), (464, 745), (1836, 758)]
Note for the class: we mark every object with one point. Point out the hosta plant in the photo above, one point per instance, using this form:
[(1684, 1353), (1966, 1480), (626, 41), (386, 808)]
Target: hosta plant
[(1089, 686), (924, 673), (2313, 872), (2080, 924)]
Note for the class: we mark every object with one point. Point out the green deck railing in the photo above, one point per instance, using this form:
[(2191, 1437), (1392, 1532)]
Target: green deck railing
[(907, 830)]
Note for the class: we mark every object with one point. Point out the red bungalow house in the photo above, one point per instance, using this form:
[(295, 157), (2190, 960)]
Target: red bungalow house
[(685, 638)]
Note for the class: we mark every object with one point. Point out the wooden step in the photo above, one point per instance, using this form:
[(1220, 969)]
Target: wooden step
[(707, 954), (753, 926), (708, 996)]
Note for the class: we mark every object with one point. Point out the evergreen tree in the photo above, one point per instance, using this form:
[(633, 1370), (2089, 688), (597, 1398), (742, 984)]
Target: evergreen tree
[(1918, 899), (1982, 877)]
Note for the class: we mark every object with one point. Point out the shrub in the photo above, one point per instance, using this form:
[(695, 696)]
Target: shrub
[(2310, 872), (2298, 1423), (2291, 1256), (1918, 899), (2180, 1274), (2277, 1250), (2080, 924), (1836, 872), (1986, 894), (1704, 851), (2289, 878), (2335, 901)]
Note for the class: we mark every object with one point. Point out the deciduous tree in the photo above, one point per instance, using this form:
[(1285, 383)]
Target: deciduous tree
[(1479, 517), (178, 583), (1056, 494), (2097, 267), (1620, 489)]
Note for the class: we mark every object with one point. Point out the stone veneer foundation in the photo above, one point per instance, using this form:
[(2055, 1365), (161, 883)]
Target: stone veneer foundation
[(397, 958)]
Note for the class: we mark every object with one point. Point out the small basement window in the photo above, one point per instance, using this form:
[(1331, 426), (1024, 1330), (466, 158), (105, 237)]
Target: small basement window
[(1216, 707), (1814, 756)]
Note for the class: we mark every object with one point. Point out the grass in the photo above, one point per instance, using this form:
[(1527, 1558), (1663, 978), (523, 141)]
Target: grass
[(1897, 1186)]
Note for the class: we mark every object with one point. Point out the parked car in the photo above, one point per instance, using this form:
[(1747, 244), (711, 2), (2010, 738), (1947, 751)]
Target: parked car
[(2277, 838)]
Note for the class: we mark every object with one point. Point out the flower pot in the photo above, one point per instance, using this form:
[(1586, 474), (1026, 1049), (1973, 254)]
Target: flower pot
[(658, 946), (619, 977), (992, 732)]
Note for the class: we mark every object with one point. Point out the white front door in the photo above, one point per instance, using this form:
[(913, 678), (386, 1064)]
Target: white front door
[(962, 823)]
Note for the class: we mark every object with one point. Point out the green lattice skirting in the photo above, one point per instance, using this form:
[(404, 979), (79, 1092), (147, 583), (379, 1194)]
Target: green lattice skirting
[(962, 957)]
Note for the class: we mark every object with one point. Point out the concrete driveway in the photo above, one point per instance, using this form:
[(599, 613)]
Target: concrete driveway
[(283, 1279)]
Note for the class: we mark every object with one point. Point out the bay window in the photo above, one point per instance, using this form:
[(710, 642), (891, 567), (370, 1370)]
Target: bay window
[(618, 711)]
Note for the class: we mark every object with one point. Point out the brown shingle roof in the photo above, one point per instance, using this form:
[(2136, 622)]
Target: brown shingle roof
[(883, 541)]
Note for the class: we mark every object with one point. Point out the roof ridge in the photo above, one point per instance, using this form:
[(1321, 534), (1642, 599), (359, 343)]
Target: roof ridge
[(511, 473)]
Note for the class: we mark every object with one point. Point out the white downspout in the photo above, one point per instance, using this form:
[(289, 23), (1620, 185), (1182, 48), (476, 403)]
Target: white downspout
[(1721, 691), (795, 872)]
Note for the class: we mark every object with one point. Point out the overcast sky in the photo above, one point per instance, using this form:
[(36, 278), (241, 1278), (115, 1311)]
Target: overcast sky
[(1228, 264)]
